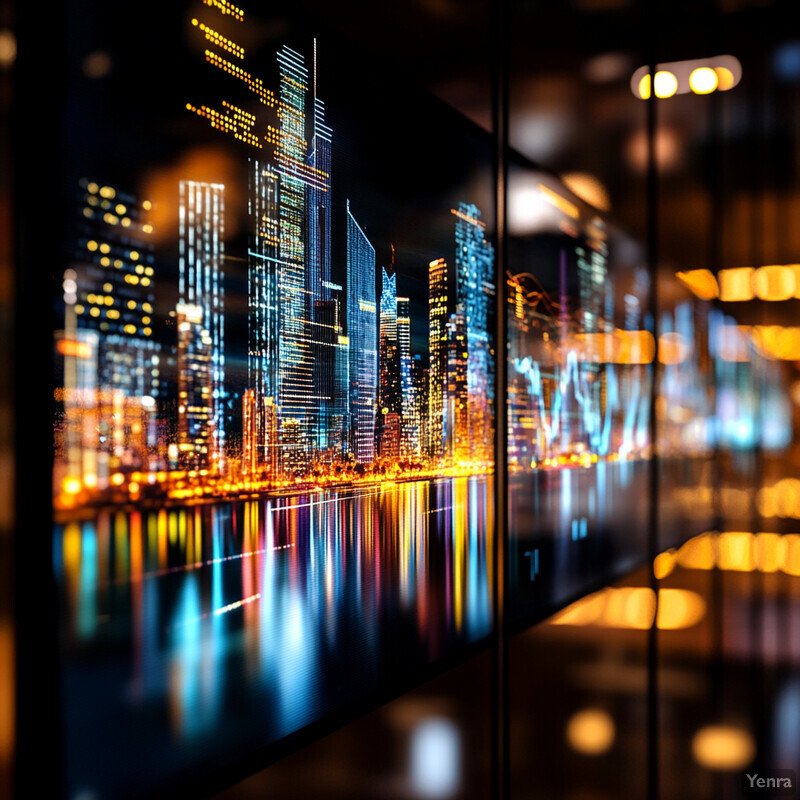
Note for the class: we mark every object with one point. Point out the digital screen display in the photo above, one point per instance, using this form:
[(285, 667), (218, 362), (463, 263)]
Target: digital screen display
[(274, 388)]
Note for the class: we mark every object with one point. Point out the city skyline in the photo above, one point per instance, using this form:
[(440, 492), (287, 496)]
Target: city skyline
[(335, 387)]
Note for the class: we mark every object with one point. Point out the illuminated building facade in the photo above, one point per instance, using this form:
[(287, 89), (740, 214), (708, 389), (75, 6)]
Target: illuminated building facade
[(108, 312), (196, 440), (325, 332), (319, 205), (458, 443), (79, 447), (420, 381), (338, 429), (389, 401), (474, 267), (115, 274), (296, 401), (263, 316), (437, 349), (362, 332), (409, 431), (324, 318), (201, 337)]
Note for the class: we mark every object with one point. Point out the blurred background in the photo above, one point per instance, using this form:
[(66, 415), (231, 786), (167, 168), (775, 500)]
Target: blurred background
[(680, 672)]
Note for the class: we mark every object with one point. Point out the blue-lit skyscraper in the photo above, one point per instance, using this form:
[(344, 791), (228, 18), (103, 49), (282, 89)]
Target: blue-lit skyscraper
[(409, 430), (389, 403), (319, 202), (324, 316), (338, 431), (201, 339), (362, 332), (296, 402), (260, 440), (474, 267)]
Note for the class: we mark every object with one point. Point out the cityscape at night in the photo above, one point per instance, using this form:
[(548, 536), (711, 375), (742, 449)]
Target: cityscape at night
[(401, 400), (275, 416), (335, 392)]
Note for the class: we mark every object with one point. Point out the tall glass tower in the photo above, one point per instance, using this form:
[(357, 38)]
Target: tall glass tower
[(201, 336), (362, 331), (260, 441), (296, 401), (323, 317), (474, 289), (389, 404), (437, 347), (409, 429)]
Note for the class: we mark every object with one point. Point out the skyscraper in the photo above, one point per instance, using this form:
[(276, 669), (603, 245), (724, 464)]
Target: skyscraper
[(474, 264), (319, 200), (409, 429), (291, 321), (201, 337), (338, 433), (458, 444), (420, 380), (263, 319), (437, 348), (324, 318), (362, 332), (296, 400), (111, 414), (196, 432), (389, 403), (115, 272)]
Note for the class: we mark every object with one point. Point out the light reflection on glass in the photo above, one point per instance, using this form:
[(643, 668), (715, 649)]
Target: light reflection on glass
[(239, 621)]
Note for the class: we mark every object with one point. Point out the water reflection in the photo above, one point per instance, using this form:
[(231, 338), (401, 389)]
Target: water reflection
[(569, 525), (209, 629)]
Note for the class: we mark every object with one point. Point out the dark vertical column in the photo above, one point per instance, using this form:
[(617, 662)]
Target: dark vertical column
[(7, 685), (500, 727), (39, 188)]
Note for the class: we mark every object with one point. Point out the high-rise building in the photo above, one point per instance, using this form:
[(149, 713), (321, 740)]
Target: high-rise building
[(420, 410), (263, 317), (338, 431), (458, 443), (362, 330), (409, 427), (78, 451), (389, 401), (292, 324), (324, 318), (115, 269), (109, 316), (474, 268), (437, 348), (319, 201), (296, 401), (196, 440), (325, 332), (201, 337)]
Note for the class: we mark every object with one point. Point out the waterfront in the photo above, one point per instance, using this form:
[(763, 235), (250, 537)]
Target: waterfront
[(191, 635)]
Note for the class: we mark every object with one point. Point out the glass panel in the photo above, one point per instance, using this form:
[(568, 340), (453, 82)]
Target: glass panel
[(580, 371), (274, 438)]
